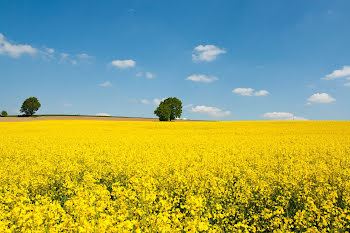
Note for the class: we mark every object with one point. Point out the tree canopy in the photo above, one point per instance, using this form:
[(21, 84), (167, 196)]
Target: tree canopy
[(163, 112), (169, 109), (30, 106), (4, 113)]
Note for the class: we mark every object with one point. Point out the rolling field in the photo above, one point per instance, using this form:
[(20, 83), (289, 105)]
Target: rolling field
[(110, 176)]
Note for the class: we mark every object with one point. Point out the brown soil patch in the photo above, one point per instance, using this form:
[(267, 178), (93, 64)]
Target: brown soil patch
[(95, 118)]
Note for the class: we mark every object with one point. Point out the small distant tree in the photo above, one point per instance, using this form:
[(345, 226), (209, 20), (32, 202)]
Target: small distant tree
[(175, 106), (163, 112), (4, 113), (30, 106)]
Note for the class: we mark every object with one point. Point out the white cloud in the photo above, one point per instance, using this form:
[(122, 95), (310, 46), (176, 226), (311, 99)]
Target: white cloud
[(211, 111), (102, 114), (206, 53), (15, 50), (347, 84), (201, 78), (243, 91), (49, 54), (144, 101), (149, 75), (261, 93), (106, 84), (157, 101), (181, 119), (338, 73), (282, 116), (321, 98), (50, 50), (123, 64), (249, 92)]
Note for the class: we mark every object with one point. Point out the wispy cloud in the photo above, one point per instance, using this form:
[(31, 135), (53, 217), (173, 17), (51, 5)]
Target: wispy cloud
[(261, 93), (15, 50), (201, 78), (106, 84), (75, 59), (249, 92), (149, 75), (321, 98), (211, 111), (84, 56), (187, 106), (123, 64), (64, 56), (67, 58), (47, 54), (155, 101), (206, 53), (50, 50), (144, 101), (283, 116)]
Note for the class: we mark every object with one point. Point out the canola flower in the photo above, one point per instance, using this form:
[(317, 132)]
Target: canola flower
[(103, 176)]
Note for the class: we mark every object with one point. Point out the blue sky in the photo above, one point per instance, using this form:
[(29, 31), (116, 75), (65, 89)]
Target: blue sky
[(226, 60)]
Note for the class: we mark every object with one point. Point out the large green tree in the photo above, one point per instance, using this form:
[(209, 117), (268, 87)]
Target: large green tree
[(172, 103), (163, 112), (30, 106)]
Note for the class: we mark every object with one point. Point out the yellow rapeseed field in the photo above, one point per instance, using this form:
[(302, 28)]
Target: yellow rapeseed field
[(105, 176)]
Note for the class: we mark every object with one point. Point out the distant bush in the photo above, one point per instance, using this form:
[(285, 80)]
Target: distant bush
[(4, 113)]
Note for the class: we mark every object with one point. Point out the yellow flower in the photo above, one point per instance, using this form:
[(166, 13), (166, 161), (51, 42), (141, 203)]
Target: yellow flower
[(103, 176)]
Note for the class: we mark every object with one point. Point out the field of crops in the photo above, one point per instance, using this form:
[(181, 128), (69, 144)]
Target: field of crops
[(99, 176)]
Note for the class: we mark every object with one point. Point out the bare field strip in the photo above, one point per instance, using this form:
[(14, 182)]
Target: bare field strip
[(95, 118)]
